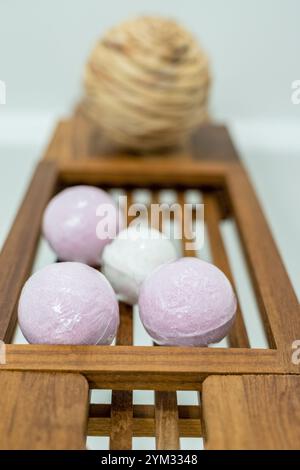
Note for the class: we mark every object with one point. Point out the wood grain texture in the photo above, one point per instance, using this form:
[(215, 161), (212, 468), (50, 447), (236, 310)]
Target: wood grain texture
[(144, 423), (17, 255), (166, 421), (143, 173), (121, 404), (252, 412), (276, 297), (121, 420), (43, 411), (186, 228), (142, 367), (125, 330), (238, 337), (61, 146)]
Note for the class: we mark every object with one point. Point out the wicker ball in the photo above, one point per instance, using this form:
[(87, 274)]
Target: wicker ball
[(146, 84)]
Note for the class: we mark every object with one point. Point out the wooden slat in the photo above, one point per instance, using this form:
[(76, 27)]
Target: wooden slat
[(144, 424), (125, 331), (43, 411), (121, 405), (121, 420), (142, 367), (143, 173), (166, 412), (60, 147), (18, 252), (238, 337), (184, 224), (252, 412), (84, 134), (276, 297), (166, 421), (210, 142)]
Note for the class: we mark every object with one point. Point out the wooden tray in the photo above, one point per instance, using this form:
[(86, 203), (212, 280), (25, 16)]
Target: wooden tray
[(249, 398)]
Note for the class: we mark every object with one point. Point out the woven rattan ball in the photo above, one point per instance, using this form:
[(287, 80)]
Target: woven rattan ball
[(146, 84)]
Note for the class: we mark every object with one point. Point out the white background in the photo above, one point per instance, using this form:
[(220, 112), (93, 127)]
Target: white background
[(254, 47)]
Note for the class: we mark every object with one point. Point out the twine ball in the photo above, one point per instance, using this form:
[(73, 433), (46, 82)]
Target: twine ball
[(146, 84)]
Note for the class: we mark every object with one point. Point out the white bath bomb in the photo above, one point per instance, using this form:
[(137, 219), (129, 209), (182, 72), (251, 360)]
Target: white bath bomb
[(68, 303), (187, 303), (132, 256), (73, 225)]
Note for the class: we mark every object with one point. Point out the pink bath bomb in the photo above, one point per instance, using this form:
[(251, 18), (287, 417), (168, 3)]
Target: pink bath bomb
[(74, 229), (187, 303), (68, 303)]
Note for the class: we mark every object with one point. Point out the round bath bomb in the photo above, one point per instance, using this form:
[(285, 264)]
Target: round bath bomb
[(78, 223), (132, 256), (187, 303), (68, 303)]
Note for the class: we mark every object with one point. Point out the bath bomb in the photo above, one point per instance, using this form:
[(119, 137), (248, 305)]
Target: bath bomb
[(187, 303), (78, 223), (68, 303), (132, 256)]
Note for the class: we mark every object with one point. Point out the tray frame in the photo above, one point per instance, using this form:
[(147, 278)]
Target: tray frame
[(124, 368), (262, 257)]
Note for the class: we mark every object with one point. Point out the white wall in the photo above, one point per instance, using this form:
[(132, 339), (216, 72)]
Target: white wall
[(254, 47)]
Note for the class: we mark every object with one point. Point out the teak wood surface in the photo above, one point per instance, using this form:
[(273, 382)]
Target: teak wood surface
[(246, 379), (252, 412), (43, 411)]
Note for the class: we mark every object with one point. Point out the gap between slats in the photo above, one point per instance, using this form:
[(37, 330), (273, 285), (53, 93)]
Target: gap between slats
[(238, 337), (144, 425)]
